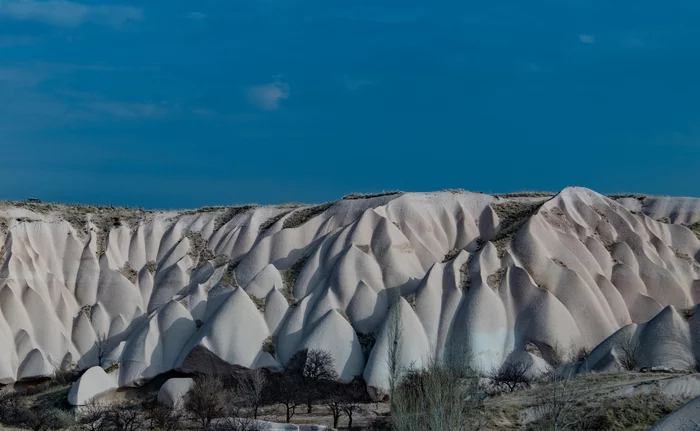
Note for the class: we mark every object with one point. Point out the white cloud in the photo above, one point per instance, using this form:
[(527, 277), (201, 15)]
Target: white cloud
[(587, 39), (67, 13), (268, 96), (197, 16)]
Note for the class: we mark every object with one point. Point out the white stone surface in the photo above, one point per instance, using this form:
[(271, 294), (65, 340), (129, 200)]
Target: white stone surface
[(172, 393), (581, 270), (92, 383)]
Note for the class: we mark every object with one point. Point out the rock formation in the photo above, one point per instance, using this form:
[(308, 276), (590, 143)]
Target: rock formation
[(543, 275)]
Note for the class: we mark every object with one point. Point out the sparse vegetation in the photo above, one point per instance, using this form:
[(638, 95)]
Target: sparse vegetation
[(559, 262), (501, 246), (151, 266), (411, 299), (269, 345), (272, 220), (230, 213), (366, 342), (494, 280), (695, 228), (640, 197), (259, 302), (451, 255), (685, 256), (513, 215), (371, 195), (302, 215), (229, 276), (289, 277), (524, 194), (199, 251), (128, 272), (601, 214), (465, 280), (364, 248)]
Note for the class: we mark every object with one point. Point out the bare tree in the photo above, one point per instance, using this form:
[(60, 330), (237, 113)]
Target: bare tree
[(629, 350), (354, 395), (252, 389), (288, 392), (334, 400), (206, 400), (315, 369), (511, 375)]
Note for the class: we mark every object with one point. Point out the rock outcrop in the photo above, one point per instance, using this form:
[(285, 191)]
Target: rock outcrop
[(152, 291)]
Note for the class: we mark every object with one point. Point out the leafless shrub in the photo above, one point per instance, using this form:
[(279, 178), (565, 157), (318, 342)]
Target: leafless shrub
[(124, 416), (101, 347), (162, 417), (443, 395), (206, 400), (91, 416), (557, 404), (628, 353), (512, 375)]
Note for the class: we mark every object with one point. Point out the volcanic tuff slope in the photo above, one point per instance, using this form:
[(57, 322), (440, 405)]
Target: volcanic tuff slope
[(535, 276)]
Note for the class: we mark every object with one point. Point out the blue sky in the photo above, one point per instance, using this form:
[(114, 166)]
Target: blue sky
[(183, 104)]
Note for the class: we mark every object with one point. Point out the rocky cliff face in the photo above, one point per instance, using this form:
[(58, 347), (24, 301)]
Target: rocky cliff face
[(529, 275)]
